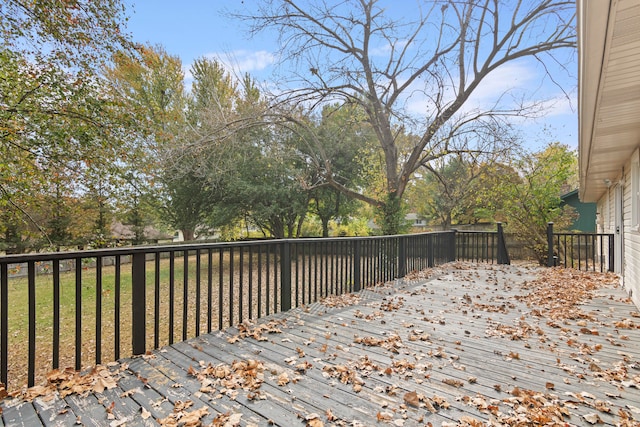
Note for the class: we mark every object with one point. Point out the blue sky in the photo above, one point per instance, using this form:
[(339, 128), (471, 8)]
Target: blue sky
[(196, 28)]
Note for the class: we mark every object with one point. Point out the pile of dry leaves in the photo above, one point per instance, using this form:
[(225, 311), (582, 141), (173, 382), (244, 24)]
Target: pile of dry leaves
[(557, 292), (68, 381), (257, 332)]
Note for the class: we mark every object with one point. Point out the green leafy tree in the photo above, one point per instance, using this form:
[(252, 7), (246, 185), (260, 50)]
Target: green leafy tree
[(358, 52), (534, 200), (346, 137), (151, 83), (53, 109)]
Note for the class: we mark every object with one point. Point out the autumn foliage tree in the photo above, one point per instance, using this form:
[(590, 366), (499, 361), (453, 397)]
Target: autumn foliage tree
[(53, 109)]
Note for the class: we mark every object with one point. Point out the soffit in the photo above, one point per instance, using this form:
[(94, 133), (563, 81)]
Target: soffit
[(609, 91)]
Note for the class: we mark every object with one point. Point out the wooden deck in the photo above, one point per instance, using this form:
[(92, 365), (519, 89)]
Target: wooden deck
[(459, 348)]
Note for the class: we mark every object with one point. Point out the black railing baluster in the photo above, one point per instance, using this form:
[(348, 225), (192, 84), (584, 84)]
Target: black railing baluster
[(198, 291), (241, 285), (209, 290), (4, 323), (78, 267), (315, 272), (309, 269), (268, 282), (185, 293), (231, 293), (296, 257), (156, 303), (116, 308), (259, 281), (98, 310), (172, 294), (250, 255), (31, 365), (276, 281), (56, 314), (220, 288)]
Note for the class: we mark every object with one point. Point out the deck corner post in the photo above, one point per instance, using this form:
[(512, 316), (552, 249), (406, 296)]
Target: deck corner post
[(138, 303), (285, 276), (503, 254), (550, 259)]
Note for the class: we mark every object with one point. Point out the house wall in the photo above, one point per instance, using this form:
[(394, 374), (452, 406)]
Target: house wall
[(606, 223)]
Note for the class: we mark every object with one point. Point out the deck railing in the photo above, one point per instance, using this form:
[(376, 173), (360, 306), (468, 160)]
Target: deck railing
[(482, 246), (77, 309), (583, 251)]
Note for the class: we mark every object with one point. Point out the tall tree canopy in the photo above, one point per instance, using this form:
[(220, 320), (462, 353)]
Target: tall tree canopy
[(412, 75), (55, 115)]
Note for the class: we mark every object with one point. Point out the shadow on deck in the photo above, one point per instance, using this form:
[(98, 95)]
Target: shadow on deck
[(464, 344)]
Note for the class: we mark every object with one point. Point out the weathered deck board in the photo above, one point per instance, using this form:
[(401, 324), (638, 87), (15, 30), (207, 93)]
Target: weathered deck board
[(483, 342)]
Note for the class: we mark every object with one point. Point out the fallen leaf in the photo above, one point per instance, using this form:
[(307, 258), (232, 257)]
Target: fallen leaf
[(283, 379), (144, 413), (592, 418), (412, 399)]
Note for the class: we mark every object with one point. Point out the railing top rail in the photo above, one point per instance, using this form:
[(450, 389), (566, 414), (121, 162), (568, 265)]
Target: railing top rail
[(582, 234), (91, 253), (475, 231)]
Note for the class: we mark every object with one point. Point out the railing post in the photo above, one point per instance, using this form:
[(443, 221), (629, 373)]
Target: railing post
[(402, 256), (452, 246), (550, 260), (138, 302), (285, 276), (503, 254), (356, 265), (611, 252)]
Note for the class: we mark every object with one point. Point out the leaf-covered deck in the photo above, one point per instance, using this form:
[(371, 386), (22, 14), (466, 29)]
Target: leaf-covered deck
[(460, 345)]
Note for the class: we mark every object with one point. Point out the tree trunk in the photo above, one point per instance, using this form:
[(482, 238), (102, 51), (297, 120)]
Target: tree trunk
[(188, 235), (325, 227)]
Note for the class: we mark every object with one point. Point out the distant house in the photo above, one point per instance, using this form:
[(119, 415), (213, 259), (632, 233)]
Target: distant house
[(586, 221), (126, 233), (609, 125), (416, 221)]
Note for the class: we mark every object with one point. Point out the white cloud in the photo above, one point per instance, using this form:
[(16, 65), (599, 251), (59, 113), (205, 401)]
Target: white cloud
[(236, 62), (245, 61)]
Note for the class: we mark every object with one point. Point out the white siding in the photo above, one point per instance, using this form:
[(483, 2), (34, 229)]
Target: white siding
[(631, 239), (631, 260)]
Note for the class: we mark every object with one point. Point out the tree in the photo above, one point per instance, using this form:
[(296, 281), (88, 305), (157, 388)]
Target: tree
[(355, 52), (79, 34), (346, 139), (458, 189), (534, 200), (52, 107), (151, 83)]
